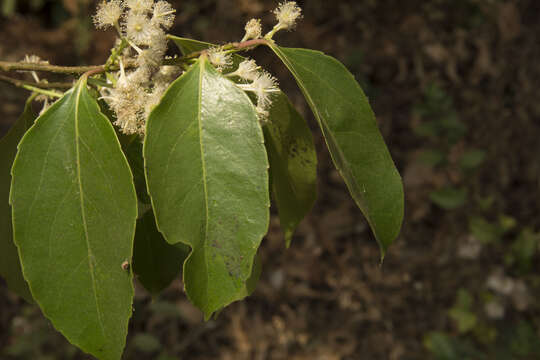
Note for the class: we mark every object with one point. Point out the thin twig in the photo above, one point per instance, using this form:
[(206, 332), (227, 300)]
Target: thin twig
[(10, 66), (235, 46), (96, 69), (49, 93), (41, 85)]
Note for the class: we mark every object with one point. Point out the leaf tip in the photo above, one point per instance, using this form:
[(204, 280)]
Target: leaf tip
[(288, 238)]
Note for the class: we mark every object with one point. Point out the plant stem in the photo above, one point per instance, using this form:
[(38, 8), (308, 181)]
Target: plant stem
[(10, 66), (229, 47), (42, 91), (41, 85), (116, 52), (96, 69)]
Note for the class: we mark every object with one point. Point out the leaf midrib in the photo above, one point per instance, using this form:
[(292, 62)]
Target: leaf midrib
[(203, 166), (354, 184), (81, 200), (310, 101)]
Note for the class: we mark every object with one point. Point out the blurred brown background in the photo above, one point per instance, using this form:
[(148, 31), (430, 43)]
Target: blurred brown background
[(454, 85)]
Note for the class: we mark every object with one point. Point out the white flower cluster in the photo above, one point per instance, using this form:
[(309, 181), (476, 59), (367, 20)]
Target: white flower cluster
[(259, 82), (253, 29), (140, 23), (219, 58), (287, 13)]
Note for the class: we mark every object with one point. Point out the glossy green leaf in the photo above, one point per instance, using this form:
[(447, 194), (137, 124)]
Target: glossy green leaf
[(353, 139), (293, 163), (74, 212), (10, 266), (188, 46), (155, 261), (206, 171), (291, 153)]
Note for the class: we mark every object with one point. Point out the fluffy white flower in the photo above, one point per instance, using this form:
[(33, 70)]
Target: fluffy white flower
[(247, 70), (263, 86), (139, 6), (286, 14), (135, 93), (253, 29), (163, 14), (219, 58), (154, 98), (108, 14), (139, 29)]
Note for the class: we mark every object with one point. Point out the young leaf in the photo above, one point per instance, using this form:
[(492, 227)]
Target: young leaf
[(74, 212), (155, 261), (206, 171), (293, 163), (353, 139), (10, 266), (188, 46)]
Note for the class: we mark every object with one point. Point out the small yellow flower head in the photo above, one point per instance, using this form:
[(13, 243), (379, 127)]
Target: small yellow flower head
[(253, 29), (219, 58), (163, 14), (139, 29), (108, 14), (140, 6), (286, 14)]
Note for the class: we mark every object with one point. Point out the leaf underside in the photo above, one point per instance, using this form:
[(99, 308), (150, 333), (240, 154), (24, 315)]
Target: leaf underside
[(74, 213), (10, 266), (293, 163), (155, 261), (352, 136), (206, 170)]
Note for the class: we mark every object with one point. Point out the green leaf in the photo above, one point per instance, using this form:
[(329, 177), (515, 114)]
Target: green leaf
[(461, 312), (74, 212), (445, 347), (449, 198), (472, 159), (524, 341), (188, 46), (133, 151), (524, 248), (355, 143), (432, 157), (293, 163), (251, 282), (485, 231), (155, 261), (146, 343), (206, 171), (10, 266)]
